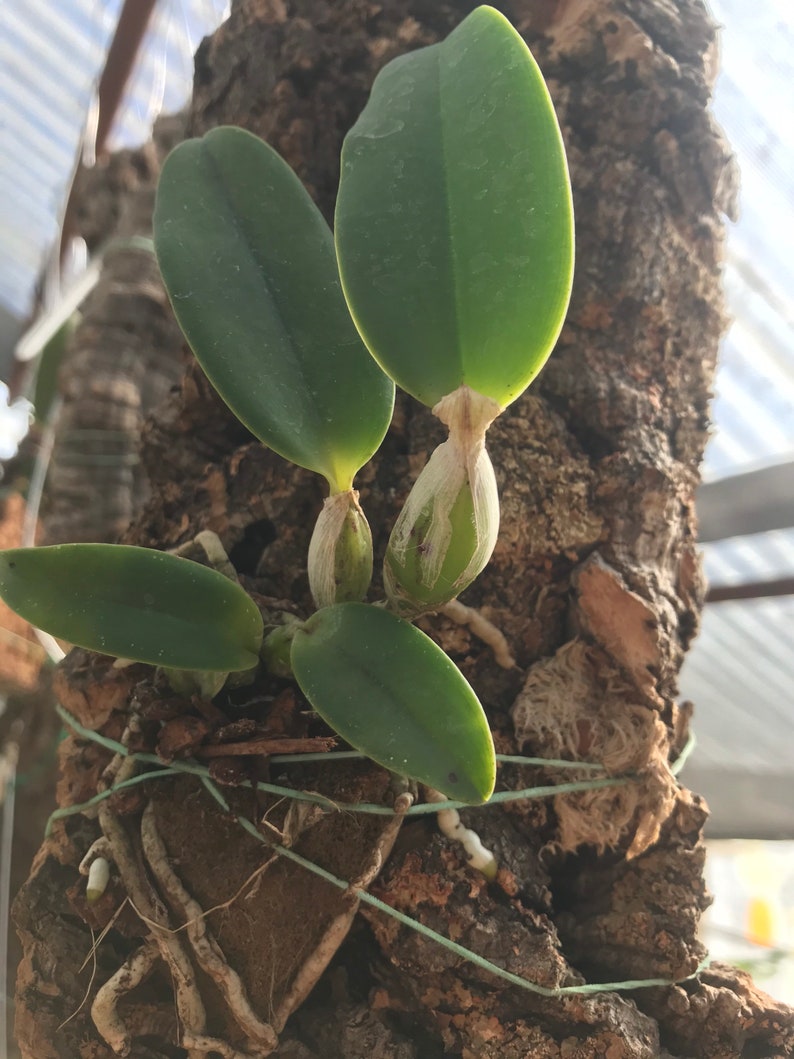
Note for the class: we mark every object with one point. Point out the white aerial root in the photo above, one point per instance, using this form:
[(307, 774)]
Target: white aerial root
[(317, 961), (483, 629), (189, 1006), (452, 826), (403, 802), (210, 543), (119, 768), (104, 1010), (98, 879), (203, 1044), (208, 953), (100, 847), (117, 846)]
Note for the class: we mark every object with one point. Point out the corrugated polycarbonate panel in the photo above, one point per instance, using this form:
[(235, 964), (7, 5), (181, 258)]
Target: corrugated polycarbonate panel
[(51, 57), (757, 557), (739, 677), (163, 75), (754, 407), (740, 672)]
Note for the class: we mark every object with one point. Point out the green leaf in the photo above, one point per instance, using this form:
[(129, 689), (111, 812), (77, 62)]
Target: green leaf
[(393, 694), (454, 222), (250, 268), (134, 603)]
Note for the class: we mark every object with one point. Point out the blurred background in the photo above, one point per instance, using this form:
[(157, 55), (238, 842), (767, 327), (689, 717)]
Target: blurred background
[(82, 79), (740, 672)]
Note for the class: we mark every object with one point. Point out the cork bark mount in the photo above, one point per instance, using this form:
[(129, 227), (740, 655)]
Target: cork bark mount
[(595, 584)]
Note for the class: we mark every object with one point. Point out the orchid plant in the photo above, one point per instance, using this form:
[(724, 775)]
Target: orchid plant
[(449, 274)]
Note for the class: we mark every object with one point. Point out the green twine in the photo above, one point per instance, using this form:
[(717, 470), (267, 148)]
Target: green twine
[(369, 808), (202, 772), (451, 946), (505, 759), (73, 810), (683, 757)]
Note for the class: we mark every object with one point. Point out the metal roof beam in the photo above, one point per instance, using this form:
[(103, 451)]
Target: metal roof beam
[(745, 803), (755, 502), (783, 586), (127, 40)]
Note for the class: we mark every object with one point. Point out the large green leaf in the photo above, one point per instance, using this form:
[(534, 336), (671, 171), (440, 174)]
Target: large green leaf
[(454, 222), (390, 692), (134, 603), (250, 268)]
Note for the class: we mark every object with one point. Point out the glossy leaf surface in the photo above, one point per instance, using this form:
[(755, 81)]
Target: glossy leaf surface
[(393, 694), (134, 603), (454, 222), (250, 268)]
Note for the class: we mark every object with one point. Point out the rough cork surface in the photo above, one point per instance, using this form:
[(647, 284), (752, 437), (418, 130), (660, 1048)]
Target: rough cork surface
[(123, 358), (595, 583)]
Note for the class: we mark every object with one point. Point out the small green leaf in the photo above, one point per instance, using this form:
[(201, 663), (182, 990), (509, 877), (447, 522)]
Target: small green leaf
[(393, 694), (134, 603), (250, 268), (454, 222)]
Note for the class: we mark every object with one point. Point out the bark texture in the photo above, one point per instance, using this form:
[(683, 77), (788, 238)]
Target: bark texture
[(122, 360), (595, 583)]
